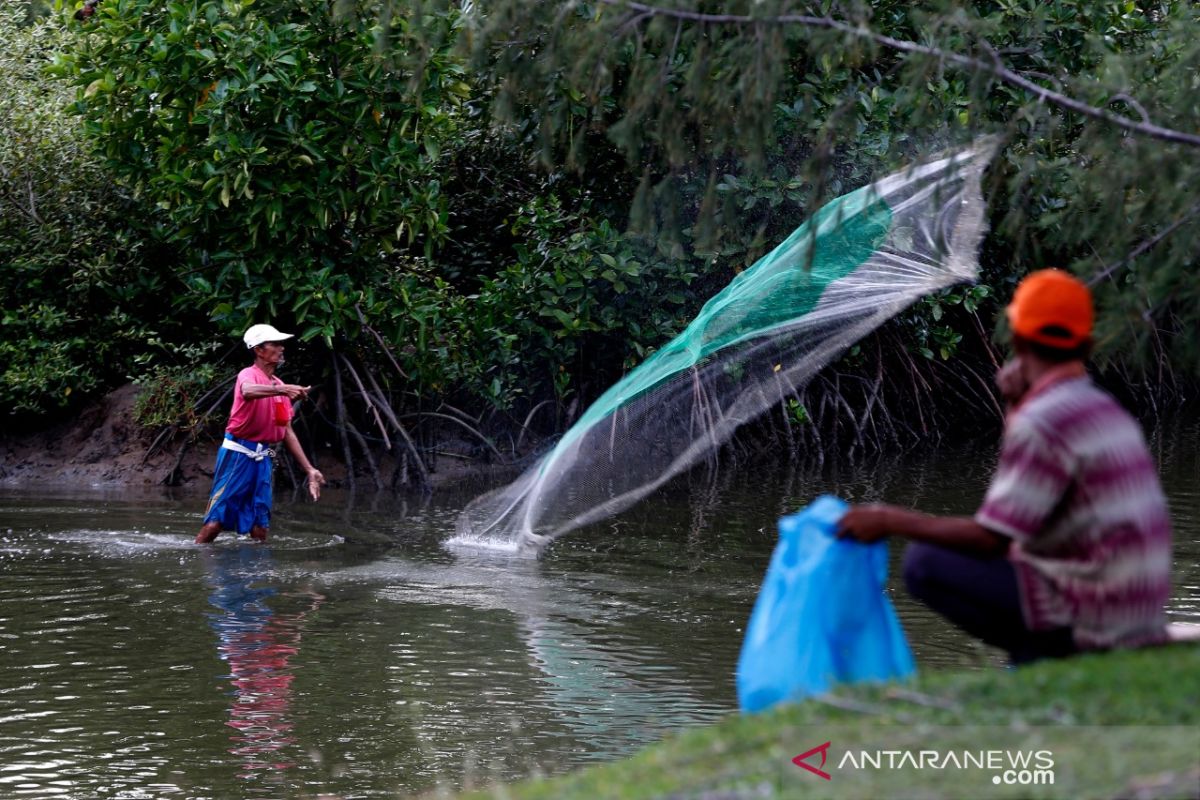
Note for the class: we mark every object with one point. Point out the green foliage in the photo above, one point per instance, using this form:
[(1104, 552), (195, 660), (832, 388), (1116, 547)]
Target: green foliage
[(44, 363), (35, 9), (745, 119), (74, 292), (928, 323), (297, 153), (289, 145), (172, 381), (596, 300), (168, 396), (578, 302), (797, 412), (524, 199)]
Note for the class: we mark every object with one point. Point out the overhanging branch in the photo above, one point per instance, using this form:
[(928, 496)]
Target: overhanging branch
[(1147, 245), (995, 68)]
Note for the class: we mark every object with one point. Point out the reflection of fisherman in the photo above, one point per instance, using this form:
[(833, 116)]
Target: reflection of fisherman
[(261, 418), (1071, 549), (257, 644)]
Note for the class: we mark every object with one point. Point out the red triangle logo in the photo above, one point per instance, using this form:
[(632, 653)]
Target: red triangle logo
[(800, 760)]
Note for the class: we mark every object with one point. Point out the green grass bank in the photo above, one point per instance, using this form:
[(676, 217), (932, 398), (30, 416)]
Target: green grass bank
[(1115, 725)]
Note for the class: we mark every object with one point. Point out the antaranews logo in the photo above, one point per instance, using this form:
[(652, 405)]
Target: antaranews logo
[(1020, 767), (800, 760)]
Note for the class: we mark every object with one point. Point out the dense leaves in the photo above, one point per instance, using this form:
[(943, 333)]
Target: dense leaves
[(75, 284), (515, 201), (293, 155), (723, 105)]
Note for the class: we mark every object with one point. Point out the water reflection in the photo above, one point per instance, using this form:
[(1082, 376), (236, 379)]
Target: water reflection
[(599, 679), (601, 694), (424, 669), (591, 677), (258, 645)]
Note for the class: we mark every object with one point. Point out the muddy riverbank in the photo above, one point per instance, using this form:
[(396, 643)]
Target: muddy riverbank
[(103, 446)]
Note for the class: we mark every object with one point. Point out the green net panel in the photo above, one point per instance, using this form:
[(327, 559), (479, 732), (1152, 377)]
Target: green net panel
[(860, 259)]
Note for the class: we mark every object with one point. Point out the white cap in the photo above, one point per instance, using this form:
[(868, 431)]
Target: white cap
[(260, 334)]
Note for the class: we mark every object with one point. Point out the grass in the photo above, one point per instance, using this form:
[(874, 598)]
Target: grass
[(1123, 724)]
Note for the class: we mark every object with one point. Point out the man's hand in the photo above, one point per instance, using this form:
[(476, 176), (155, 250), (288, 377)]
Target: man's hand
[(869, 523), (315, 481), (295, 392), (1010, 380)]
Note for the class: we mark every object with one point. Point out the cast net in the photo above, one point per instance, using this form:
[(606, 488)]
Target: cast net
[(857, 262)]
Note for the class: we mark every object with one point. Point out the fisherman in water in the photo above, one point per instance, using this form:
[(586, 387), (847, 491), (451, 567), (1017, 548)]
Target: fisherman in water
[(1071, 549), (261, 418)]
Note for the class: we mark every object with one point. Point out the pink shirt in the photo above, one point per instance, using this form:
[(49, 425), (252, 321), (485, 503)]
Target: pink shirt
[(1078, 493), (257, 420)]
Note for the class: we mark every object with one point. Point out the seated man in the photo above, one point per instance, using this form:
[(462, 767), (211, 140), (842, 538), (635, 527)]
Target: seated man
[(1071, 550)]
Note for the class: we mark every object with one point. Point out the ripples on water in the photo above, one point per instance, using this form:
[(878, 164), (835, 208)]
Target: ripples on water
[(134, 664)]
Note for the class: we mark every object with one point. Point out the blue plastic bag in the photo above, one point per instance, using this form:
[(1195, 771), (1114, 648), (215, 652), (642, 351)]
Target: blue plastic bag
[(821, 617)]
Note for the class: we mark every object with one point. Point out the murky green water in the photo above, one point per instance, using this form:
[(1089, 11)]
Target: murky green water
[(134, 664)]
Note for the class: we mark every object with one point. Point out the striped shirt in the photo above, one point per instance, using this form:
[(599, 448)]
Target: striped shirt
[(1078, 493)]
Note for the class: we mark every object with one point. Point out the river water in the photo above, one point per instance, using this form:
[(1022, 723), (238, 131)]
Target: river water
[(134, 664)]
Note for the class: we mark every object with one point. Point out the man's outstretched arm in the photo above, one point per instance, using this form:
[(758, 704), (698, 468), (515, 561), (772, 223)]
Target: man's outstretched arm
[(870, 523)]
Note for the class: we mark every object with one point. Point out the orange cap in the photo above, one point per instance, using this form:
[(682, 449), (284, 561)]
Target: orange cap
[(1053, 308)]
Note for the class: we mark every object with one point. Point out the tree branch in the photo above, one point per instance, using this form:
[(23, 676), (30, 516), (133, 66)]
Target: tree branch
[(1150, 243), (995, 68)]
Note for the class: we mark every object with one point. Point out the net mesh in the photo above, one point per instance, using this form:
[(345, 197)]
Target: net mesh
[(857, 262)]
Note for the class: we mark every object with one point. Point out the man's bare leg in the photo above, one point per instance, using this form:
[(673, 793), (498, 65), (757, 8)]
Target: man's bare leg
[(258, 533), (208, 532)]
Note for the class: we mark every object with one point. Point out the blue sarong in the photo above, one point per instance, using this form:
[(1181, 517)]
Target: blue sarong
[(241, 493)]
